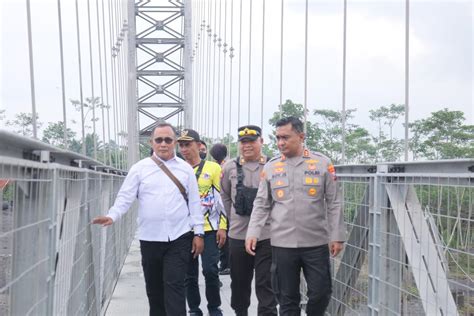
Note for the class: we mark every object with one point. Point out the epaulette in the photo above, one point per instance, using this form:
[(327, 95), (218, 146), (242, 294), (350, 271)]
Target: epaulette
[(317, 153), (274, 158)]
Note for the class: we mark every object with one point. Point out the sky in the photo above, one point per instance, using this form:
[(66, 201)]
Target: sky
[(441, 57)]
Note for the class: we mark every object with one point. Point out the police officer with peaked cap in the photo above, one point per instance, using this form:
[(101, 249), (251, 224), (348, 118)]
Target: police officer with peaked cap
[(239, 185), (299, 192)]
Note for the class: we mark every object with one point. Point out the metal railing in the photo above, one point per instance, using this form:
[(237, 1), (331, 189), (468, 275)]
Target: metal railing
[(52, 260), (410, 240)]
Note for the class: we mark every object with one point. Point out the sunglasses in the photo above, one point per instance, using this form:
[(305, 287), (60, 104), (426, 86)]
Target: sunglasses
[(167, 140)]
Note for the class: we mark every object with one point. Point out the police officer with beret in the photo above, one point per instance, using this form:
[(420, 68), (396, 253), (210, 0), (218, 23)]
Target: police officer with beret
[(299, 192), (239, 185)]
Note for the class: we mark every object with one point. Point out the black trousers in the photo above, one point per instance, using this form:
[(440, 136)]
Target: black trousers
[(241, 273), (164, 266), (209, 259), (286, 267), (224, 255)]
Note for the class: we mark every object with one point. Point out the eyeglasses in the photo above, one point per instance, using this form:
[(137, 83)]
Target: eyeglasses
[(167, 140), (248, 132)]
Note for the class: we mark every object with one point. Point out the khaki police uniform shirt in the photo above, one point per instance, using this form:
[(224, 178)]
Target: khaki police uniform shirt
[(252, 171), (301, 196)]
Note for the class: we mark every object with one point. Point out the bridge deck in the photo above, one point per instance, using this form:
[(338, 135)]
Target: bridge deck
[(129, 297)]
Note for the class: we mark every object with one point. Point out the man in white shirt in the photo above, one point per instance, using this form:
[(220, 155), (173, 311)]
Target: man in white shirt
[(166, 222)]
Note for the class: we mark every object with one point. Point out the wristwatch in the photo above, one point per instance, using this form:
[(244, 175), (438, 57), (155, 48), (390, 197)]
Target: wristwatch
[(199, 235)]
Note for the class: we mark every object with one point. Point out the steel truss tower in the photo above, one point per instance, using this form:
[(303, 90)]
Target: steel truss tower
[(163, 63)]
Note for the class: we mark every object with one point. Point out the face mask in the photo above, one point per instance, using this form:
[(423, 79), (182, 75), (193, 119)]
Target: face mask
[(202, 155)]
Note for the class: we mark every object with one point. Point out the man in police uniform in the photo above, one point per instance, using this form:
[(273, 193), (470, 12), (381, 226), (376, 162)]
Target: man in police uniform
[(299, 193), (239, 185)]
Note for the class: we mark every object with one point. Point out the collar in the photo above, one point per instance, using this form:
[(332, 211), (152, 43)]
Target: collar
[(171, 159), (262, 160)]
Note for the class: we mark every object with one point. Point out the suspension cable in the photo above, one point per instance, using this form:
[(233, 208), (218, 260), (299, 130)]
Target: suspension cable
[(195, 47), (104, 157), (198, 66), (306, 70), (201, 69), (240, 65), (81, 99), (214, 71), (207, 79), (224, 81), (231, 57), (63, 88), (203, 74), (109, 152), (263, 63), (92, 80), (113, 77), (407, 73), (344, 47), (281, 57), (219, 44), (32, 70), (250, 61)]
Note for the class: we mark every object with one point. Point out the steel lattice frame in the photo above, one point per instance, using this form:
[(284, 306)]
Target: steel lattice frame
[(162, 54)]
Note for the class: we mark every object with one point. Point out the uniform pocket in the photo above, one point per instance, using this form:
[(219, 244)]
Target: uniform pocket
[(280, 188), (312, 187)]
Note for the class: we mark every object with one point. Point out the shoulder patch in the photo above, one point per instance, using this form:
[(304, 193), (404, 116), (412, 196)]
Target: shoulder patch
[(332, 171)]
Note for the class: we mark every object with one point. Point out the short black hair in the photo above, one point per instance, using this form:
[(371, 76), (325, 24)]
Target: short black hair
[(204, 143), (295, 122), (219, 152), (164, 124)]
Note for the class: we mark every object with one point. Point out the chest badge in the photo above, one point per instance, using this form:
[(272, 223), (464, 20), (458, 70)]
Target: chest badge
[(280, 193), (312, 192)]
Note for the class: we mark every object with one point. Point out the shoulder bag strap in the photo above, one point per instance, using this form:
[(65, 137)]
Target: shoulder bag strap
[(172, 177), (240, 173), (199, 170)]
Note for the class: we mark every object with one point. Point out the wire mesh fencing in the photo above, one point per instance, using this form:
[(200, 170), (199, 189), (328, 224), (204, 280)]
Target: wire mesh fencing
[(52, 260), (410, 240)]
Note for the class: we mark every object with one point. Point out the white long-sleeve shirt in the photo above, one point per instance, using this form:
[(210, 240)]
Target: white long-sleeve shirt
[(162, 212)]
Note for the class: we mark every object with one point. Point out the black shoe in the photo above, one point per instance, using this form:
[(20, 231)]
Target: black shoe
[(217, 312), (225, 271)]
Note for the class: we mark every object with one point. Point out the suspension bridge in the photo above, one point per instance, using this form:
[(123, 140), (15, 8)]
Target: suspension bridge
[(104, 73)]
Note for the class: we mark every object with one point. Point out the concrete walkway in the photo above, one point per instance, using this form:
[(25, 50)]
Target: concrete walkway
[(129, 297)]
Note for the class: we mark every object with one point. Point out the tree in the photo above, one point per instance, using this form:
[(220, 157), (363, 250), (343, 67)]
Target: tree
[(388, 148), (54, 135), (359, 146), (232, 146), (2, 115), (387, 116), (329, 126), (297, 110), (89, 107), (90, 140), (443, 135), (23, 123)]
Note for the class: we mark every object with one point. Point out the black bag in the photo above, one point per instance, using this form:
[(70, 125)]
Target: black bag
[(245, 196)]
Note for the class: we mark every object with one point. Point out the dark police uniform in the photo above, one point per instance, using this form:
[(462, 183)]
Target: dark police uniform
[(242, 264), (301, 196)]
